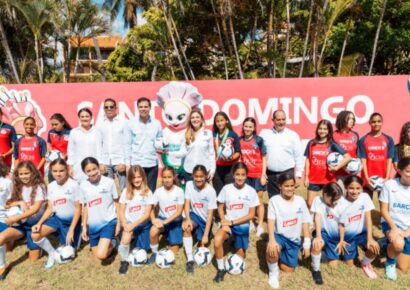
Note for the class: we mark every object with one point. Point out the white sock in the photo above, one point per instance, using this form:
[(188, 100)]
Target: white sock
[(188, 248), (154, 248), (316, 262), (220, 263), (124, 251), (273, 268), (366, 260), (2, 256), (45, 244)]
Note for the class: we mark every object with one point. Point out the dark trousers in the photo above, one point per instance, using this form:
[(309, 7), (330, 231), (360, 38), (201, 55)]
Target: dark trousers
[(273, 178), (222, 177), (152, 177)]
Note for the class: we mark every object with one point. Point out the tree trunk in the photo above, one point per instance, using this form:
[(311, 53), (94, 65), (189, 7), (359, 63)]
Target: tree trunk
[(99, 58), (288, 28), (342, 53), (36, 48), (154, 73), (232, 29), (269, 40), (312, 4), (376, 39), (225, 27), (253, 35), (7, 51), (77, 57), (218, 28)]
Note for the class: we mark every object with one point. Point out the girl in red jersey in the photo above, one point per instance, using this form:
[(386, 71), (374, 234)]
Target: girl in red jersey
[(30, 147), (253, 154), (376, 150), (57, 138), (317, 172)]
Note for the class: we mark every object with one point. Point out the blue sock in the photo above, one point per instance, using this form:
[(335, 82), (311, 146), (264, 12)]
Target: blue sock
[(390, 261)]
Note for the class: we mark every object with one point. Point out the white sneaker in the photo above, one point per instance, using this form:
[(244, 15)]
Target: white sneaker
[(274, 281), (50, 262), (259, 231)]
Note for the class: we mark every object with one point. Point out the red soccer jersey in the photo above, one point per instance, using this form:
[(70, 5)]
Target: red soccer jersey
[(252, 152), (30, 149), (7, 137), (59, 140), (348, 141)]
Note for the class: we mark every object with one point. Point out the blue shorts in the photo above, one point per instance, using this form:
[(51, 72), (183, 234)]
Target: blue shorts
[(289, 252), (354, 241), (315, 187), (173, 231), (200, 227), (406, 249), (330, 246), (25, 229), (106, 232), (3, 226), (240, 233), (141, 235), (62, 227), (256, 184)]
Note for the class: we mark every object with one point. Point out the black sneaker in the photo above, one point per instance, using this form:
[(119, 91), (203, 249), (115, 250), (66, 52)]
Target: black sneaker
[(219, 277), (151, 259), (317, 277), (189, 267), (123, 268)]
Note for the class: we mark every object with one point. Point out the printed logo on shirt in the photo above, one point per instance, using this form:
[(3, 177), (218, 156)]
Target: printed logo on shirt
[(3, 131), (248, 151), (290, 223), (397, 205), (255, 145), (68, 192), (95, 202), (103, 191), (236, 206), (316, 161), (245, 198), (171, 208), (198, 205), (299, 211), (319, 152), (60, 201), (355, 218), (205, 199), (134, 208), (374, 157)]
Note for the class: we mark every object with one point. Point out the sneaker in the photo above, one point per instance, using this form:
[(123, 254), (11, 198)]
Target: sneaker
[(369, 271), (4, 271), (219, 277), (123, 268), (391, 272), (50, 262), (189, 267), (317, 277), (259, 231), (273, 281), (151, 259)]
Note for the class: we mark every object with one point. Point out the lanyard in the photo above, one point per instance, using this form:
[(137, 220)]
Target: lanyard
[(219, 146)]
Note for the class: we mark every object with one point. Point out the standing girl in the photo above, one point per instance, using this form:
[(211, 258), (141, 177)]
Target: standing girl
[(227, 149), (236, 208), (394, 207), (253, 154), (402, 149), (288, 216), (200, 203), (30, 147), (355, 227), (317, 172), (8, 138), (100, 207), (170, 201), (376, 150), (84, 141), (135, 209), (62, 215), (28, 193)]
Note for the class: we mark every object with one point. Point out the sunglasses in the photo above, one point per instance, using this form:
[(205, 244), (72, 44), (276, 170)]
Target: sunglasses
[(109, 107)]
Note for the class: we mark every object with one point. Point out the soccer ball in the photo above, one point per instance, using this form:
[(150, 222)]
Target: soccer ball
[(234, 264), (202, 256), (65, 254), (334, 159), (378, 182), (15, 211), (354, 166), (165, 258), (138, 257), (226, 151), (53, 155)]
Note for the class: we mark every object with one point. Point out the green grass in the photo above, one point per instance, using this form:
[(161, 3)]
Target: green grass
[(84, 273)]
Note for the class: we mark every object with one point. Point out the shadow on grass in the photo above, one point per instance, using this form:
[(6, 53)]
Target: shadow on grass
[(261, 252)]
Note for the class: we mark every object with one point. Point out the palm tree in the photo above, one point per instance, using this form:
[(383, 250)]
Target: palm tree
[(305, 44), (130, 10), (376, 38), (288, 28)]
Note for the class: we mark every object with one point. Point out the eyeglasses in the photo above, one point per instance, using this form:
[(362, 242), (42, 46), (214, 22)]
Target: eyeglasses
[(109, 107)]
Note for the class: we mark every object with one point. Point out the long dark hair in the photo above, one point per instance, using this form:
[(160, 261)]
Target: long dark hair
[(223, 114), (59, 117), (342, 120), (35, 181), (253, 121), (329, 128)]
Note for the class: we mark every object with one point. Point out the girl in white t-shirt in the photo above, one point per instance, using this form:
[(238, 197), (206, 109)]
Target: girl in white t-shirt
[(29, 194), (395, 209), (288, 216), (200, 203), (5, 189), (355, 227), (135, 210), (237, 203), (62, 215)]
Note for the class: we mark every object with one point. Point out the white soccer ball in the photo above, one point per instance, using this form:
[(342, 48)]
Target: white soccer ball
[(138, 257), (65, 254), (377, 182), (202, 256), (165, 258), (53, 155), (354, 166), (334, 159), (15, 211), (227, 151), (234, 264)]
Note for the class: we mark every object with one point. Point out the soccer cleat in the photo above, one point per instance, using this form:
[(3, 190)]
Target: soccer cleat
[(369, 271), (50, 262), (273, 281), (151, 259), (317, 277), (123, 268), (391, 272), (189, 267), (4, 271), (219, 277), (259, 231)]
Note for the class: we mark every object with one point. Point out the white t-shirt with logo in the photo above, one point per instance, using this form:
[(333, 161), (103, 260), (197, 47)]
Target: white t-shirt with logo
[(397, 196), (63, 198), (5, 194), (39, 196), (168, 201), (99, 200), (201, 200), (329, 216), (353, 217), (237, 201), (135, 208)]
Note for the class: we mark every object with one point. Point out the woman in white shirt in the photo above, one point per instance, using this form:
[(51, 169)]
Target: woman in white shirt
[(84, 141)]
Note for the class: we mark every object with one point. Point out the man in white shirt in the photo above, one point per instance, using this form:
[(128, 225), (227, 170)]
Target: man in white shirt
[(112, 130), (284, 152)]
